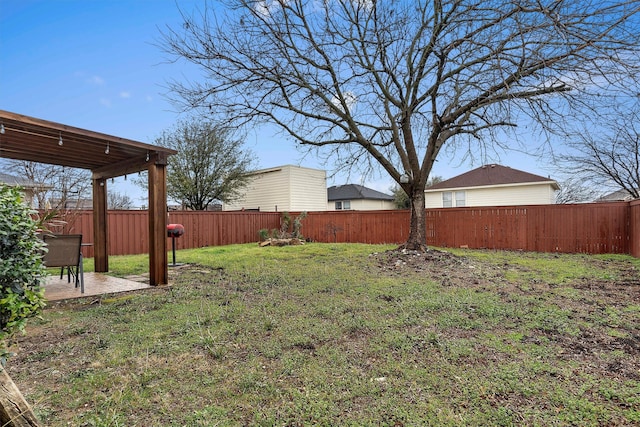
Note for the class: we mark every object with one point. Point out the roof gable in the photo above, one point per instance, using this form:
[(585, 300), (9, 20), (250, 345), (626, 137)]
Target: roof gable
[(355, 192), (491, 175)]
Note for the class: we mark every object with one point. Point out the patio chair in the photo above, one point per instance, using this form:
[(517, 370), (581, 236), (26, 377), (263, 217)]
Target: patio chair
[(64, 252)]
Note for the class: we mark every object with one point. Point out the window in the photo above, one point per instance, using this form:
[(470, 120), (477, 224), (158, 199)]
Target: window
[(460, 199), (343, 205), (446, 199)]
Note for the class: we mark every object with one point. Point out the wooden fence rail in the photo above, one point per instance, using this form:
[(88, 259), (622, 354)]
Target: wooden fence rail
[(582, 228)]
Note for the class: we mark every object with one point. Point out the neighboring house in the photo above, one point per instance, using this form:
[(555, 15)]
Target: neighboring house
[(284, 188), (71, 203), (492, 185), (616, 196), (358, 198), (29, 188)]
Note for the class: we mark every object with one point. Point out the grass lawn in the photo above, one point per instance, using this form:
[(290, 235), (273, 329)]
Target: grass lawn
[(345, 334)]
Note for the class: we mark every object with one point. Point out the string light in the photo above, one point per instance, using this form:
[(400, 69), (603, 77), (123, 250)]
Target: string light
[(60, 140), (106, 151), (147, 158), (2, 132)]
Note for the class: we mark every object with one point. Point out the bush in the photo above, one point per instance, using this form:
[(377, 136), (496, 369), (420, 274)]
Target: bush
[(21, 269), (263, 234)]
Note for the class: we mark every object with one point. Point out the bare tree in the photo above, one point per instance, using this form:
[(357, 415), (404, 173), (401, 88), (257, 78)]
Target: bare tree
[(387, 84), (606, 153), (401, 199), (116, 200), (210, 165), (575, 190), (56, 187)]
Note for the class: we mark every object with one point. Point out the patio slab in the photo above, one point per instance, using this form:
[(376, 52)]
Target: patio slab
[(94, 284)]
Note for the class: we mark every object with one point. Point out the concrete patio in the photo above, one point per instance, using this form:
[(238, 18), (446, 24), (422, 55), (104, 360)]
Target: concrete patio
[(94, 284)]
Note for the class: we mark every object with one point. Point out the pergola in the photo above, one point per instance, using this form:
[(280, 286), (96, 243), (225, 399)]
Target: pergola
[(106, 156)]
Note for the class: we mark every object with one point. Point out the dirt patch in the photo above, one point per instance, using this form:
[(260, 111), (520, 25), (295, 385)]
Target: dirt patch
[(440, 266)]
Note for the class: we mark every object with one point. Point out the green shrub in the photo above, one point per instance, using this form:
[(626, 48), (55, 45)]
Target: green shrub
[(21, 269), (263, 234)]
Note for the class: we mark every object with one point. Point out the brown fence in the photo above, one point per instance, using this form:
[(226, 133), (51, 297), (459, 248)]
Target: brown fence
[(634, 228), (129, 230), (357, 226), (584, 228)]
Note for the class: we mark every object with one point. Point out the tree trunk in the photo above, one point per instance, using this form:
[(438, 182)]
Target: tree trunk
[(14, 409), (418, 227)]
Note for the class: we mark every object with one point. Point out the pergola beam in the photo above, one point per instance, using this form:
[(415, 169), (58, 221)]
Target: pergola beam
[(129, 166)]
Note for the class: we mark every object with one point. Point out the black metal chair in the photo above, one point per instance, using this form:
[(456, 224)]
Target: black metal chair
[(64, 251)]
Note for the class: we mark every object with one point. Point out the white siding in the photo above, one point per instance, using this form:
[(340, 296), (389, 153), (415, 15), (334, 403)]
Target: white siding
[(286, 188), (308, 189), (500, 195), (433, 199), (365, 205)]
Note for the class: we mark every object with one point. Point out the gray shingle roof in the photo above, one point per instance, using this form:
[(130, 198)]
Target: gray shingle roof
[(16, 180), (616, 196), (355, 192), (491, 175)]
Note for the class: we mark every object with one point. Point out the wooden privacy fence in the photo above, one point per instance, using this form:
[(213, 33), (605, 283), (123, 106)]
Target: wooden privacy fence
[(357, 226), (582, 228), (594, 228), (129, 230)]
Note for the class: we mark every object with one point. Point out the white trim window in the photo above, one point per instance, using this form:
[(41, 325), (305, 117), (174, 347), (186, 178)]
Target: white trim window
[(446, 199), (460, 199), (343, 205)]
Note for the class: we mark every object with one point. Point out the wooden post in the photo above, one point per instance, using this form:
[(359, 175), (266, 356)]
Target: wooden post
[(14, 409), (100, 231), (158, 262)]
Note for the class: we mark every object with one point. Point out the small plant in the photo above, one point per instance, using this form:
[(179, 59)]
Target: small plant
[(288, 233), (263, 234), (48, 220), (21, 269), (284, 225), (297, 226)]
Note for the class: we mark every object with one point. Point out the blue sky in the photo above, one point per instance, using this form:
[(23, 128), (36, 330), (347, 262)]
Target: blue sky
[(94, 64)]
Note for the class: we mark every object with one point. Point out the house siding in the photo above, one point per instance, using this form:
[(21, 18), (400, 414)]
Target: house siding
[(308, 190), (501, 195), (286, 188)]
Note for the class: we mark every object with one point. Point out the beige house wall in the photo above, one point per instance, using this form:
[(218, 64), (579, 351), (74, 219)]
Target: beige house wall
[(284, 188), (365, 205), (499, 195)]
